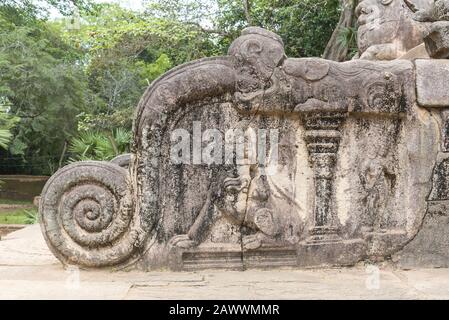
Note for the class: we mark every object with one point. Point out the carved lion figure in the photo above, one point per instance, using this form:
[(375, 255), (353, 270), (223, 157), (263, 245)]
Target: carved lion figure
[(387, 29)]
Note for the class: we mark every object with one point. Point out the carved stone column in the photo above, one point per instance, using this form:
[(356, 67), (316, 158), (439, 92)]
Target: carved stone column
[(323, 140), (323, 123)]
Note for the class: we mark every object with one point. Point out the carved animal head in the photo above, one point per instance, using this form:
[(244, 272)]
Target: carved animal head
[(257, 52), (389, 22)]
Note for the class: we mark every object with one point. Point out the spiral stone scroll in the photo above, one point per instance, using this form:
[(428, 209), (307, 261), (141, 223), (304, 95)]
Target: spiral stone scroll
[(87, 215), (122, 160)]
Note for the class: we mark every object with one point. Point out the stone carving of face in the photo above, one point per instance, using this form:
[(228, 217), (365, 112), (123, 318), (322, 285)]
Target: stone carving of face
[(388, 22), (257, 52)]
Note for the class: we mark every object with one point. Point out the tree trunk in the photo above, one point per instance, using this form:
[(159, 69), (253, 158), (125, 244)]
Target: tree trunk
[(111, 138), (61, 158), (334, 49), (247, 8)]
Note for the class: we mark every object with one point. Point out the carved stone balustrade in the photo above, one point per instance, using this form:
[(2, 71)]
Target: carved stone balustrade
[(347, 156)]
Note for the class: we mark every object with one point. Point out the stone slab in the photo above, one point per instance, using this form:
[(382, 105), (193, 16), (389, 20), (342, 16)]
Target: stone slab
[(43, 290), (25, 247), (418, 52), (8, 228), (430, 283), (429, 249), (341, 253), (432, 83)]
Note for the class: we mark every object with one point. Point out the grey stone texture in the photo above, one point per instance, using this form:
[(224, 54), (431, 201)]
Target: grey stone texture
[(430, 246), (437, 40), (437, 11), (436, 37), (122, 160), (432, 78), (359, 172)]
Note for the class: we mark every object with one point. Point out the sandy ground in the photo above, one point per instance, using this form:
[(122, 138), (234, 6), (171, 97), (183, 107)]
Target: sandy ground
[(29, 271)]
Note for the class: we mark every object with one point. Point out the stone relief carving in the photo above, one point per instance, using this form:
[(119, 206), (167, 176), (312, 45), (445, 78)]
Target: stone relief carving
[(387, 29), (439, 10), (436, 38), (353, 162), (89, 215), (429, 247), (122, 160)]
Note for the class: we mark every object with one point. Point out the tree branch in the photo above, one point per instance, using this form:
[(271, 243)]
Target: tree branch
[(206, 30), (335, 50)]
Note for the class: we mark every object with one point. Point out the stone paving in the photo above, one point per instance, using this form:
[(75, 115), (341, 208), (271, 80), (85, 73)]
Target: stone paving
[(29, 271)]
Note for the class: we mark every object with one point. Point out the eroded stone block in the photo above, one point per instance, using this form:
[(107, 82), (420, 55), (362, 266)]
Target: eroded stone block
[(437, 40), (432, 83)]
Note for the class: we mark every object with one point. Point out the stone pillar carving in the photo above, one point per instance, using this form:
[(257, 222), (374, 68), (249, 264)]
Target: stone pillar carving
[(323, 123)]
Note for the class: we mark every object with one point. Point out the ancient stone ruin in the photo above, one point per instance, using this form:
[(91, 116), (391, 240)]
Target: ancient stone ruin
[(350, 163)]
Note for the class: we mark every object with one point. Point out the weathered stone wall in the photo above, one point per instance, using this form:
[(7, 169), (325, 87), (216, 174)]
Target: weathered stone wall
[(355, 166), (430, 246)]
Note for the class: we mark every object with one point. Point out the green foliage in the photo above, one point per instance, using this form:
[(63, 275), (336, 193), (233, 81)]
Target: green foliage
[(31, 216), (20, 216), (347, 37), (304, 25), (44, 85), (92, 145), (124, 52), (150, 71), (30, 9), (5, 137), (12, 201), (22, 212), (7, 123)]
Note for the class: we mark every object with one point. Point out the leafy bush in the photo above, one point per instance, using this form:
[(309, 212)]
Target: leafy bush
[(20, 216), (7, 122), (93, 145), (31, 216)]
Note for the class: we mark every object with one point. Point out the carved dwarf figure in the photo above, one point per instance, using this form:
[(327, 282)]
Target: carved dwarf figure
[(244, 200)]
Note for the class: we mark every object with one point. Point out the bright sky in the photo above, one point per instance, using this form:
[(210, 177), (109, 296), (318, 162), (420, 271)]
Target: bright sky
[(130, 4)]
